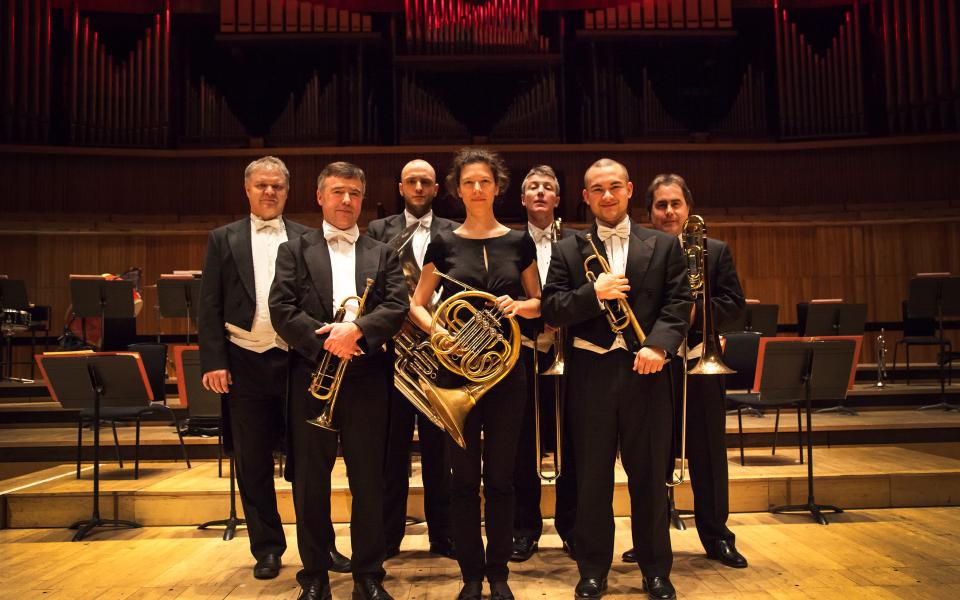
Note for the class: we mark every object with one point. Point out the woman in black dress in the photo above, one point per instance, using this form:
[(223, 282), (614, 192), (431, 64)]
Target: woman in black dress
[(491, 257)]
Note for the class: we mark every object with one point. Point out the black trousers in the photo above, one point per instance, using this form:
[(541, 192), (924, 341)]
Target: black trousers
[(498, 414), (361, 415), (255, 407), (527, 519), (706, 453), (435, 471), (610, 406)]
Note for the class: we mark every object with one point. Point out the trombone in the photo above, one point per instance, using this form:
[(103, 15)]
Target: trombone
[(555, 370), (693, 240), (327, 377)]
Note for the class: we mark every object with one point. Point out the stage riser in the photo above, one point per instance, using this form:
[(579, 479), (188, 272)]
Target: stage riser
[(880, 491)]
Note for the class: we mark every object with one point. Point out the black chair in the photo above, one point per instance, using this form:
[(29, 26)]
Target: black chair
[(154, 358), (203, 406), (919, 332), (740, 353)]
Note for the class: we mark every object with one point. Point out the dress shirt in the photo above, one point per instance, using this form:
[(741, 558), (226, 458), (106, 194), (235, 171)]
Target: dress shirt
[(343, 266), (542, 238), (616, 241), (265, 239), (421, 237)]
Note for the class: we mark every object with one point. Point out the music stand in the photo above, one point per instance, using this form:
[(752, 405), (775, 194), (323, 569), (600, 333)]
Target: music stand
[(96, 380), (809, 370), (205, 403), (177, 295), (13, 296), (936, 297), (94, 296), (761, 318), (832, 319)]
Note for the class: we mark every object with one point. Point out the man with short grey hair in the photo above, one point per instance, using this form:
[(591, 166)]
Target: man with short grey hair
[(241, 356)]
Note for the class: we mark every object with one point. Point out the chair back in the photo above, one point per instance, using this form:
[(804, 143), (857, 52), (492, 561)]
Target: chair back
[(154, 357), (916, 326), (740, 354), (201, 402)]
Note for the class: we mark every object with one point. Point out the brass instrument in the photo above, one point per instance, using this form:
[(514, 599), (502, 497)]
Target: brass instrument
[(468, 342), (619, 314), (693, 240), (327, 377), (554, 370), (881, 360)]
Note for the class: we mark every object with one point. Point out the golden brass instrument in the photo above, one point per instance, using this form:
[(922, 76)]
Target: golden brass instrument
[(327, 377), (619, 314), (693, 240), (555, 370), (468, 342)]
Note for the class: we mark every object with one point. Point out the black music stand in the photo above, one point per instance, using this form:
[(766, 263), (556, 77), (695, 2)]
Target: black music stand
[(808, 370), (13, 296), (203, 403), (177, 296), (93, 380), (937, 297), (832, 318), (93, 296), (761, 318)]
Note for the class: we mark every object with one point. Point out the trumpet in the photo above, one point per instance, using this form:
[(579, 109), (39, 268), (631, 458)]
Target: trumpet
[(694, 242), (554, 370), (619, 314), (326, 378)]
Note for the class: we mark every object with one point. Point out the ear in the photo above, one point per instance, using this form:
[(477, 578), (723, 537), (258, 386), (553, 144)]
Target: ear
[(629, 189), (585, 196), (400, 188)]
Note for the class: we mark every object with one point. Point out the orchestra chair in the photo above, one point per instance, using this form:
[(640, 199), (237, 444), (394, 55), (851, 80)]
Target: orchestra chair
[(740, 350), (919, 331), (204, 409), (134, 411), (741, 353)]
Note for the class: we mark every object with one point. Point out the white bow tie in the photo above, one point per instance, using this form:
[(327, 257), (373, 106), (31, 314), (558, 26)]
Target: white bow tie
[(622, 231), (260, 224), (340, 236), (539, 235), (424, 221)]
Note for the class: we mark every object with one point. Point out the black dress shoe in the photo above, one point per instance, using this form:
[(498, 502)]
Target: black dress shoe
[(590, 587), (726, 552), (315, 591), (444, 547), (630, 555), (499, 590), (659, 588), (267, 567), (472, 590), (338, 562), (523, 548), (369, 589)]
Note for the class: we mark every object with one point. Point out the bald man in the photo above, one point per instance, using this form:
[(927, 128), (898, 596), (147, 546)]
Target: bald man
[(418, 188)]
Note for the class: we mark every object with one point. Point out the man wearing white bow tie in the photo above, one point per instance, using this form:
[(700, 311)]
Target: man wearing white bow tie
[(418, 188), (315, 274), (618, 395), (241, 356)]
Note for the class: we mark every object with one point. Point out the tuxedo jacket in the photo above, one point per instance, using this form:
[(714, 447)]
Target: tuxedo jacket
[(533, 327), (387, 228), (301, 298), (659, 291), (726, 295), (228, 292)]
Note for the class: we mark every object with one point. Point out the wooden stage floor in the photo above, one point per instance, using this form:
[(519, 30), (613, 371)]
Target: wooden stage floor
[(169, 494), (895, 553)]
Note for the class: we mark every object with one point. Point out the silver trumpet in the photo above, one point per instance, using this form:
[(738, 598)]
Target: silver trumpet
[(881, 344)]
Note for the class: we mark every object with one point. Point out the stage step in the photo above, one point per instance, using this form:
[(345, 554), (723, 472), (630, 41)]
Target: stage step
[(171, 494)]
